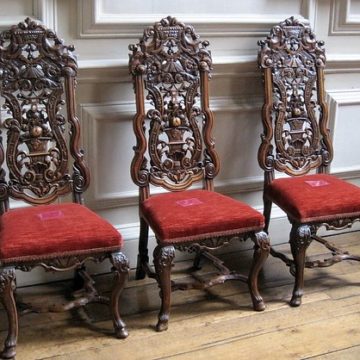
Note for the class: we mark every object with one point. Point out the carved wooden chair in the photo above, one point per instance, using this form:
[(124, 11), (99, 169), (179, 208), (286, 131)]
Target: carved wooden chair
[(37, 78), (174, 150), (296, 141)]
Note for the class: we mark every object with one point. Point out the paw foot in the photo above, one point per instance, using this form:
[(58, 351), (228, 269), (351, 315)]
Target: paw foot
[(8, 353)]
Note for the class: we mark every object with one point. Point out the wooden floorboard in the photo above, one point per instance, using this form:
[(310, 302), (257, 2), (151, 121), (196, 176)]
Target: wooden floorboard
[(215, 324)]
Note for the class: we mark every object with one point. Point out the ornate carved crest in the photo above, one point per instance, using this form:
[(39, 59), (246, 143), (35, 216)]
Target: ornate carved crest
[(170, 59), (295, 104), (33, 65)]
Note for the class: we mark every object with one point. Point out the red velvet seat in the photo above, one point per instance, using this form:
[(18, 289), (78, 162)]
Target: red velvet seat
[(54, 230), (193, 215), (315, 197)]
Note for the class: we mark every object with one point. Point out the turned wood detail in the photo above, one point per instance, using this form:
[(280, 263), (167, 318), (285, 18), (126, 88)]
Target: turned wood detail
[(292, 62), (172, 66), (37, 81)]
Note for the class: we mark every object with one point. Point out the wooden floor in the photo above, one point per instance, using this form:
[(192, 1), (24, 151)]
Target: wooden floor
[(214, 324)]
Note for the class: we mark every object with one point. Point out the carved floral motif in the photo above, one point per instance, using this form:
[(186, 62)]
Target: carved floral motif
[(163, 257), (120, 262), (7, 277), (33, 65), (62, 263), (296, 108), (170, 58)]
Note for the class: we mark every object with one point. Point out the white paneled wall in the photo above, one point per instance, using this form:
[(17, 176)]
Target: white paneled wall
[(101, 31)]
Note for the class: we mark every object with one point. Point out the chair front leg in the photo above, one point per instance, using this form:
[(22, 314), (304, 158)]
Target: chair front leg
[(143, 257), (261, 252), (121, 270), (7, 288), (300, 239), (163, 259)]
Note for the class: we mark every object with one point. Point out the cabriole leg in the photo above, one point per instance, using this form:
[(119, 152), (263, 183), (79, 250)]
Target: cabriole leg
[(143, 257), (163, 259), (261, 252), (7, 288), (300, 239), (121, 270)]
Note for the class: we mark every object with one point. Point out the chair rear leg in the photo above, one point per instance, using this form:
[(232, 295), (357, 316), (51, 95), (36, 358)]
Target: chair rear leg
[(261, 252), (267, 213), (143, 256), (78, 282), (163, 259), (121, 269), (7, 287), (300, 239)]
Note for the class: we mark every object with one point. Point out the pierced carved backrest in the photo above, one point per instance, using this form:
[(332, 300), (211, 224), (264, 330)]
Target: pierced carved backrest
[(171, 67), (37, 82), (295, 116)]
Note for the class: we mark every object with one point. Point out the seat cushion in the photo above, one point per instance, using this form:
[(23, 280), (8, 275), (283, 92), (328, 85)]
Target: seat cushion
[(54, 230), (313, 198), (193, 215)]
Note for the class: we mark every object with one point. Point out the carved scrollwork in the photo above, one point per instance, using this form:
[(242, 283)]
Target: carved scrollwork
[(207, 244), (33, 65), (292, 60), (171, 59), (62, 263), (338, 224)]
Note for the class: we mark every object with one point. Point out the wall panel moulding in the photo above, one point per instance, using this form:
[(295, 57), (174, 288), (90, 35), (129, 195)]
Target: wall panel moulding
[(93, 22), (42, 10), (344, 20)]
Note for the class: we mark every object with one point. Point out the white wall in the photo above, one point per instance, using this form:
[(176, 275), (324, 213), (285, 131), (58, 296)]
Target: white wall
[(101, 31)]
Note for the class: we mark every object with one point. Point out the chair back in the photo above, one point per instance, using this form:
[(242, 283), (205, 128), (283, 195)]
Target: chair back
[(295, 116), (171, 67), (37, 83)]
